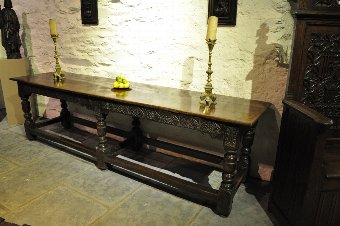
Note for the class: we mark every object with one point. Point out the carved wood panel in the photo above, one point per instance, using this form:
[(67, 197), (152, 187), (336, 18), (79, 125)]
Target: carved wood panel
[(297, 145), (329, 209), (225, 10), (322, 75), (89, 11), (319, 5), (327, 3)]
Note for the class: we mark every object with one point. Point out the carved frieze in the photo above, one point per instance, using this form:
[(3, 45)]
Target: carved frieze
[(228, 134), (214, 129), (322, 75), (327, 3)]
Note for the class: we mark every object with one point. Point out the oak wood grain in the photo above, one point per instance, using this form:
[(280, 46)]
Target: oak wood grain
[(228, 109)]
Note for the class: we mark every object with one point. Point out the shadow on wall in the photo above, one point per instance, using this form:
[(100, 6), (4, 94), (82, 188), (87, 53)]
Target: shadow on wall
[(267, 76), (268, 84), (28, 52), (187, 76), (187, 72)]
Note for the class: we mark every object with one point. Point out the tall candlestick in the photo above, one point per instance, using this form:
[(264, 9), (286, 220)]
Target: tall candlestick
[(58, 75), (208, 98), (212, 28), (53, 27)]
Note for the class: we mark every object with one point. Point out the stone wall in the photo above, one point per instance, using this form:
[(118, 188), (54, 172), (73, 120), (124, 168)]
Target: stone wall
[(163, 43)]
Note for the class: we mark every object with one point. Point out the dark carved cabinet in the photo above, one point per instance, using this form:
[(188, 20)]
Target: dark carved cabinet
[(306, 177)]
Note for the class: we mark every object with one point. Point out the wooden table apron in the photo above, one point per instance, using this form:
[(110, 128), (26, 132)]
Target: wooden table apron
[(237, 140)]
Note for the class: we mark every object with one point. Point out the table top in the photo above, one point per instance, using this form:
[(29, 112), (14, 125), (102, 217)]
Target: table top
[(227, 109)]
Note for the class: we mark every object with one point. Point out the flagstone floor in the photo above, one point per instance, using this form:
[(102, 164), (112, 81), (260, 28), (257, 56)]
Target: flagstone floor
[(42, 186)]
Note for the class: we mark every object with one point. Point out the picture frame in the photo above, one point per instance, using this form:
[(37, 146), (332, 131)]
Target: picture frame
[(89, 12), (225, 10)]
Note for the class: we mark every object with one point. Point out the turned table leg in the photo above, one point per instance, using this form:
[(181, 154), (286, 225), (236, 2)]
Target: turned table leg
[(65, 115), (227, 190), (231, 140), (26, 107), (247, 142), (137, 134), (231, 166), (102, 146), (135, 140)]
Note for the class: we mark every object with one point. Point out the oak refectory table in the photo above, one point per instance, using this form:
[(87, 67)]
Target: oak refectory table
[(232, 121)]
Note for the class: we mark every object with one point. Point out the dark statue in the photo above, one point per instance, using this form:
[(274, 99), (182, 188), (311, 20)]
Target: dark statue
[(10, 26)]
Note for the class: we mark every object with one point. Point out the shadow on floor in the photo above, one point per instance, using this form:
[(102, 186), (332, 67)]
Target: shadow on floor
[(261, 190)]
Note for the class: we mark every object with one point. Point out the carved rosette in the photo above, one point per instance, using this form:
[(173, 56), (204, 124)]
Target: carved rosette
[(322, 76)]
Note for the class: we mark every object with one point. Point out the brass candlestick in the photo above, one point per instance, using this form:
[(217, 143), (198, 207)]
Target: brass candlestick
[(208, 98), (58, 75), (207, 109)]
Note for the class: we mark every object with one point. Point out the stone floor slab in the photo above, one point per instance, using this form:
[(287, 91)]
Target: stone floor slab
[(149, 206), (18, 129), (26, 152), (58, 207), (6, 166), (106, 186), (22, 185), (3, 210), (246, 211), (41, 186), (8, 138)]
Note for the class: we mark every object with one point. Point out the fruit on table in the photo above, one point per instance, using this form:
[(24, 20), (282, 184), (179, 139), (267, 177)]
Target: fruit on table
[(121, 82)]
